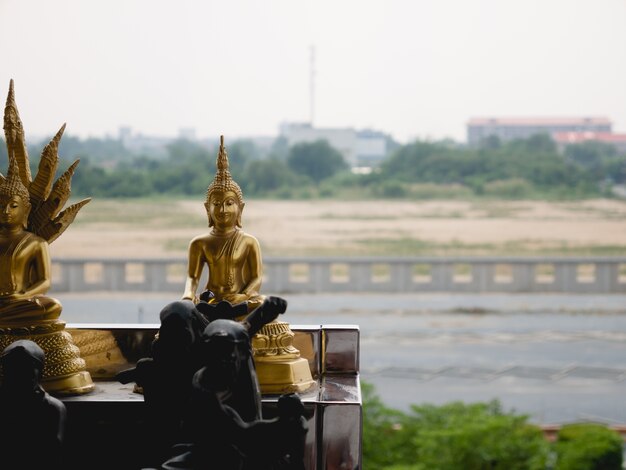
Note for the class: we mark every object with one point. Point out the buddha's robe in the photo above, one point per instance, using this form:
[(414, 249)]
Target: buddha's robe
[(16, 276)]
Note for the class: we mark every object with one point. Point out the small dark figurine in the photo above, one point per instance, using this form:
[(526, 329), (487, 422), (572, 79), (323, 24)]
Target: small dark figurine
[(33, 422), (224, 428), (165, 378)]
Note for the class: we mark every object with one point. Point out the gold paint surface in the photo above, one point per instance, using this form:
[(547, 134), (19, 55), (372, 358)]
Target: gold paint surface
[(235, 266), (31, 217), (287, 376)]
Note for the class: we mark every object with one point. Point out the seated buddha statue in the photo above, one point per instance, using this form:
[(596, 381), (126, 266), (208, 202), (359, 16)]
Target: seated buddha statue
[(232, 256), (24, 260), (31, 217), (235, 268)]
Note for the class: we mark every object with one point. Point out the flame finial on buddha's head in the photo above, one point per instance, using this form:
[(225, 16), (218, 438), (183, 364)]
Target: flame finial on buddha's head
[(223, 180)]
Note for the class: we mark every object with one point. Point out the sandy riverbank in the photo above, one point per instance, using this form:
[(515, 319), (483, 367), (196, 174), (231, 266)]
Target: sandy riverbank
[(144, 229)]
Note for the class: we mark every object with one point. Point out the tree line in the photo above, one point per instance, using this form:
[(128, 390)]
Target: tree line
[(532, 167)]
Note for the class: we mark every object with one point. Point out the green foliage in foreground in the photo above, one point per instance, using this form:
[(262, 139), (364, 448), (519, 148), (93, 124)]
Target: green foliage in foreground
[(479, 436), (588, 447), (449, 437)]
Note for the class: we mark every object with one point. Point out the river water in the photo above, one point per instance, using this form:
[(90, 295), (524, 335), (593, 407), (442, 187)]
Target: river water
[(557, 358)]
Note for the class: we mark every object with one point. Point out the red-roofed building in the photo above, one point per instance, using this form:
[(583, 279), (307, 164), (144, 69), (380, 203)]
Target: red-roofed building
[(520, 128), (568, 138)]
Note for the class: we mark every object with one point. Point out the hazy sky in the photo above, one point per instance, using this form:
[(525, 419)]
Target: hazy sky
[(416, 68)]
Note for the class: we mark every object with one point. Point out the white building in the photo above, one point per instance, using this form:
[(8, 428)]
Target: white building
[(521, 128), (359, 148), (187, 133)]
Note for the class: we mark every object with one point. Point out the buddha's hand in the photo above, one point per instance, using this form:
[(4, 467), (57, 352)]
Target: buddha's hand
[(11, 297)]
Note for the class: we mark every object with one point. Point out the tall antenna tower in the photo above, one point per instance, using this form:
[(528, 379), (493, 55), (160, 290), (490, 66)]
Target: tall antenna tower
[(312, 87)]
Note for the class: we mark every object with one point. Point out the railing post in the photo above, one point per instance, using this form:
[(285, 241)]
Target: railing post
[(319, 276), (441, 274), (523, 276), (360, 277), (482, 277), (74, 273), (400, 277), (606, 277), (155, 276), (114, 274)]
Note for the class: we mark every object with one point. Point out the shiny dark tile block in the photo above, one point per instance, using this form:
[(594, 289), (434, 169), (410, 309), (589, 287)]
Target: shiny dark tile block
[(338, 388), (340, 446), (340, 349), (307, 340)]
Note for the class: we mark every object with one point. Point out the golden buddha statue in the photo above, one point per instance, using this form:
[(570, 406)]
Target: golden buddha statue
[(235, 267), (233, 257), (30, 219)]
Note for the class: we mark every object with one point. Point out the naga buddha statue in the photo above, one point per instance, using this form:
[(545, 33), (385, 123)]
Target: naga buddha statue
[(31, 217), (235, 273)]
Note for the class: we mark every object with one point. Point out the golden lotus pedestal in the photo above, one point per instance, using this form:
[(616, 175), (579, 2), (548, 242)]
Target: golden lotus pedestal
[(64, 371), (100, 351), (279, 367)]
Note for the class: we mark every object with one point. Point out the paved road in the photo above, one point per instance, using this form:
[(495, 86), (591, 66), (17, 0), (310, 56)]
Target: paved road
[(558, 358)]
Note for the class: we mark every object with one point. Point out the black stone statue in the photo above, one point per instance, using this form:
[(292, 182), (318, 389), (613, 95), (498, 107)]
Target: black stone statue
[(203, 402), (165, 377), (223, 427), (33, 422)]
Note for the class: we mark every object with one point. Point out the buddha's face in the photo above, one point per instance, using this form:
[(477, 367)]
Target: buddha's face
[(21, 375), (13, 211), (225, 360), (224, 210)]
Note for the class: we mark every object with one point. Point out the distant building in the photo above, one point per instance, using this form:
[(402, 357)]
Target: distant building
[(520, 128), (371, 148), (359, 148), (125, 133), (140, 144), (563, 139), (187, 133)]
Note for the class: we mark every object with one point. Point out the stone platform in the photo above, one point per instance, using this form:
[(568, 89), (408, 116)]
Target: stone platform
[(104, 428)]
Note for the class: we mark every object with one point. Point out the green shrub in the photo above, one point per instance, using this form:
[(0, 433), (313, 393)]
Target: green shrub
[(439, 191), (385, 439), (476, 437), (514, 188), (391, 189), (406, 467), (588, 447), (455, 436)]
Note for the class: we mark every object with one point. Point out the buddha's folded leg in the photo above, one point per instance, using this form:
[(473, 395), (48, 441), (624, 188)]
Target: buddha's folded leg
[(32, 310)]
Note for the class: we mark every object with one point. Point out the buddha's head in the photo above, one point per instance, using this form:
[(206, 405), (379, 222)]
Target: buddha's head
[(226, 345), (22, 364), (14, 200), (224, 199)]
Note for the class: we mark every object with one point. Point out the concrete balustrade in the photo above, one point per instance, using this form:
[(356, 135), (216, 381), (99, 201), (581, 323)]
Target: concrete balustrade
[(364, 274)]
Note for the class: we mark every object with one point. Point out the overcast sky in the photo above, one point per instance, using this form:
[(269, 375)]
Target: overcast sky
[(417, 68)]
